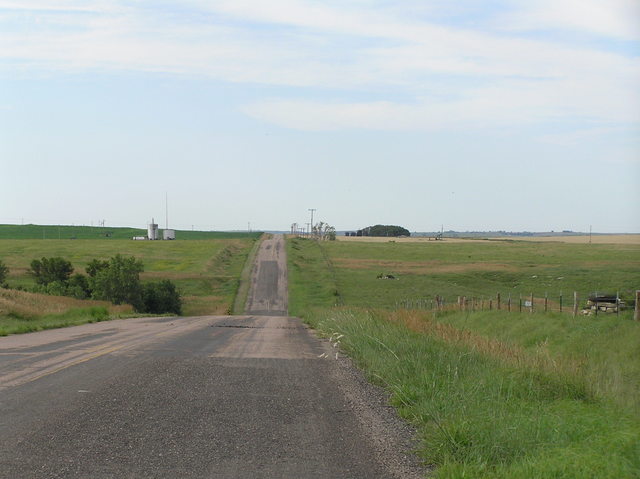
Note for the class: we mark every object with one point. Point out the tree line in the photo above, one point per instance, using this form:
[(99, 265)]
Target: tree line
[(116, 280)]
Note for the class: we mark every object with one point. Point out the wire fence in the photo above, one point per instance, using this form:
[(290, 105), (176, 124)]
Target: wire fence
[(575, 304)]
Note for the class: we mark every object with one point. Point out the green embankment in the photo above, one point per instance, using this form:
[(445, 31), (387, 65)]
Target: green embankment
[(493, 394)]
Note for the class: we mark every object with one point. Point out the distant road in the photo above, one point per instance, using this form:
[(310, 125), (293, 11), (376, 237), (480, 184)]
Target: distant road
[(214, 397), (268, 292)]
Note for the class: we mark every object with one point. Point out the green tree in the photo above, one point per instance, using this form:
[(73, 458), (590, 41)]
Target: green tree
[(384, 230), (161, 297), (49, 270), (78, 287), (96, 265), (119, 282)]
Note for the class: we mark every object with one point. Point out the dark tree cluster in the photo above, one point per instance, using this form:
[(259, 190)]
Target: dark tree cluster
[(384, 231), (116, 280)]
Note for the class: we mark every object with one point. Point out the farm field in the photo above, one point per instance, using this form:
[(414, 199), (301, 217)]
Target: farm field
[(492, 394), (573, 239), (206, 272), (96, 232), (480, 269)]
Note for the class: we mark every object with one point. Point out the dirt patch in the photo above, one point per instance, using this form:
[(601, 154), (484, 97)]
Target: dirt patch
[(420, 267)]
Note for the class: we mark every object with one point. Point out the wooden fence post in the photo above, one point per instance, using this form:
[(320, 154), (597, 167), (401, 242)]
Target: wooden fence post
[(509, 303), (546, 302), (531, 310), (490, 304), (575, 303), (636, 314), (520, 304), (561, 302), (498, 300)]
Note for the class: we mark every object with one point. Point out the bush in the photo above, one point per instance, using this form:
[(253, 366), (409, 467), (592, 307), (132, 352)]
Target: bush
[(161, 297), (49, 270), (95, 266), (119, 282), (4, 271), (78, 287)]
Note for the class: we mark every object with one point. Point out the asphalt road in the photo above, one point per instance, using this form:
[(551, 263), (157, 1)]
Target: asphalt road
[(212, 397)]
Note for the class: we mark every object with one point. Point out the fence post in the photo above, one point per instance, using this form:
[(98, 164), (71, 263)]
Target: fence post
[(561, 302), (575, 303), (617, 303), (509, 303), (546, 302), (636, 314), (498, 300), (531, 310), (520, 304), (490, 304)]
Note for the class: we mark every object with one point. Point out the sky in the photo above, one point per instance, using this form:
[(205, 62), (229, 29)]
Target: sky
[(516, 115)]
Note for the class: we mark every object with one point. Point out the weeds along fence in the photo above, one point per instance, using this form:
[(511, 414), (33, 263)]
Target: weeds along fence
[(575, 304)]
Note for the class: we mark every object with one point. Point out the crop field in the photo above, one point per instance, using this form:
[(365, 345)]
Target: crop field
[(493, 394), (206, 272), (96, 232)]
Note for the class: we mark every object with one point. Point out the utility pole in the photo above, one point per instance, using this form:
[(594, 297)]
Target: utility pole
[(311, 228)]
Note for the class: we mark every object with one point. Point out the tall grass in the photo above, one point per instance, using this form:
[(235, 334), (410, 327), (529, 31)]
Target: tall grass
[(488, 410), (22, 312), (493, 394)]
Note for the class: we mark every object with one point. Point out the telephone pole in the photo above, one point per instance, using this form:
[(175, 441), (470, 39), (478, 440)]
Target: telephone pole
[(311, 228)]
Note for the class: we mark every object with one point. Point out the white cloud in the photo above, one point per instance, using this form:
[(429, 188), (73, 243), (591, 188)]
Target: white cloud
[(454, 74), (611, 18)]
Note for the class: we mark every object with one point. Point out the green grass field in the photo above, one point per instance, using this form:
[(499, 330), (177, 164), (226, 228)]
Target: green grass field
[(481, 269), (206, 271), (95, 232), (493, 394)]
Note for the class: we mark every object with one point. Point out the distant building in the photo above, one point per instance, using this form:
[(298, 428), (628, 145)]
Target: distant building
[(152, 231)]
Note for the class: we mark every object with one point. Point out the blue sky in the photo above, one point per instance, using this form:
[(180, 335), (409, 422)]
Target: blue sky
[(504, 115)]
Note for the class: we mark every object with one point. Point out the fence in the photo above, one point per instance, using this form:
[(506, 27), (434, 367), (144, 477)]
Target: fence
[(593, 305)]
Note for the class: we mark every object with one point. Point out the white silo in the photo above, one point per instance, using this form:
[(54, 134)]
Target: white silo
[(153, 230)]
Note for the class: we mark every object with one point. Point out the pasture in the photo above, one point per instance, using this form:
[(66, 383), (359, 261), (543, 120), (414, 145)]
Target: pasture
[(475, 268), (206, 271), (492, 394)]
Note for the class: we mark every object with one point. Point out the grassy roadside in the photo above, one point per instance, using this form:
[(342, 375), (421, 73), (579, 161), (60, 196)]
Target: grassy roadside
[(492, 394), (22, 312)]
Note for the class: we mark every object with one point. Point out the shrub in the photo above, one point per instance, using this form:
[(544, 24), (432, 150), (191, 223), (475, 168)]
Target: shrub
[(4, 271), (119, 282), (161, 297), (49, 270), (78, 287), (95, 266)]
